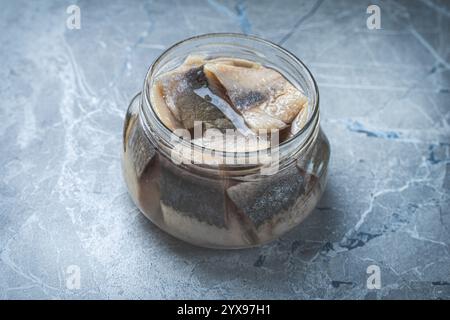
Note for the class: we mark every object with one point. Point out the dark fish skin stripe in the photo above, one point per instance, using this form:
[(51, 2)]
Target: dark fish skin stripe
[(245, 101), (263, 199), (199, 198)]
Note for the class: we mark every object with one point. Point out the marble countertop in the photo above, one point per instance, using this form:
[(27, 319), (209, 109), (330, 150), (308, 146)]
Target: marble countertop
[(65, 214)]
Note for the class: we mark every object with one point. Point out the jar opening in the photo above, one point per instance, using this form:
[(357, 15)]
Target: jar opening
[(236, 46)]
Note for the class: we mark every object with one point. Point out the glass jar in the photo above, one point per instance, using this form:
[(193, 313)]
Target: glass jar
[(226, 204)]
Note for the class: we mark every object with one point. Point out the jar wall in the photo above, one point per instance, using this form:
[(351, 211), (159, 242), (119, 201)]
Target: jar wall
[(220, 211)]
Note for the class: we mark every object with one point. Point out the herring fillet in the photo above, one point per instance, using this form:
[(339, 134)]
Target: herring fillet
[(262, 90)]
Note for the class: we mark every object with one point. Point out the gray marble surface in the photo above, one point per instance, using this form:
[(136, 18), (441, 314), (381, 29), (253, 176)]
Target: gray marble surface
[(385, 108)]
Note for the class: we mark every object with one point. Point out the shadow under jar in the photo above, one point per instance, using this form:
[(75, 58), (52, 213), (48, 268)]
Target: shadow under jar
[(224, 205)]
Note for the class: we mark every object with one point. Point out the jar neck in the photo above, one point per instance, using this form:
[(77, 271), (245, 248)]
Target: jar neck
[(245, 47)]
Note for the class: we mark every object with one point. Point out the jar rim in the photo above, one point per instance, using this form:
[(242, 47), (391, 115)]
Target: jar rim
[(313, 120)]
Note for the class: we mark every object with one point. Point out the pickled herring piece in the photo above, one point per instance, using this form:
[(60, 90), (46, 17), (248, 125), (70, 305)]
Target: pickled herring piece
[(300, 120), (200, 198), (236, 62), (261, 90), (185, 105), (161, 108), (259, 200), (193, 60), (197, 207), (189, 228), (234, 142), (258, 119)]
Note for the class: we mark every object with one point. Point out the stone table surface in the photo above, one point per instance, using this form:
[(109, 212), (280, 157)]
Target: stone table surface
[(64, 208)]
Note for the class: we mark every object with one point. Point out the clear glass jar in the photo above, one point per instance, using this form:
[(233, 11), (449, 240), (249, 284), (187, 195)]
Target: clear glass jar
[(226, 205)]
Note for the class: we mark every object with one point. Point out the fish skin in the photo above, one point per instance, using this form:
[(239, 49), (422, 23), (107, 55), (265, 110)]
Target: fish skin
[(263, 199), (198, 197)]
